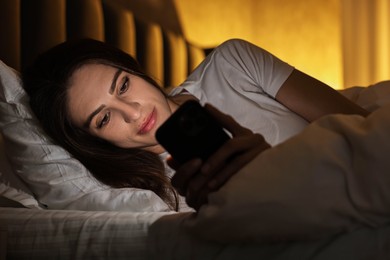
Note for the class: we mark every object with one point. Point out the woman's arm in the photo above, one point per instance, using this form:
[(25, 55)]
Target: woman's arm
[(299, 92), (312, 99)]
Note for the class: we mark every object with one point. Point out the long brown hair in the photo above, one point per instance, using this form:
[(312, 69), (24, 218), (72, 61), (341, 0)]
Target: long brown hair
[(46, 82)]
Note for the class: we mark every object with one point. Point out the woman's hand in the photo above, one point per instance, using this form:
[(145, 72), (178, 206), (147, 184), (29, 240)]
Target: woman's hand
[(196, 179)]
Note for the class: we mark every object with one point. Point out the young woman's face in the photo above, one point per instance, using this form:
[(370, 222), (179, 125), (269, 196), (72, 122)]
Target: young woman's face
[(119, 107)]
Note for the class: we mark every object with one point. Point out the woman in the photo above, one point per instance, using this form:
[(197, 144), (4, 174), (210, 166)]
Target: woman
[(96, 101)]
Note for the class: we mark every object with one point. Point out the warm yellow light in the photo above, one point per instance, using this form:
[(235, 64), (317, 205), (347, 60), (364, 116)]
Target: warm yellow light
[(304, 33)]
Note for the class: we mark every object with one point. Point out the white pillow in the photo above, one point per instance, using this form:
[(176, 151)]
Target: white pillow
[(57, 180), (11, 187)]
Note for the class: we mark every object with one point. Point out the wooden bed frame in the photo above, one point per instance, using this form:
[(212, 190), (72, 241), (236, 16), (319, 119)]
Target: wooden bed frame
[(30, 27)]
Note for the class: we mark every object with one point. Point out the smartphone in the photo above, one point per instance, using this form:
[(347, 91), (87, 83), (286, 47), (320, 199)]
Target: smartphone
[(191, 132)]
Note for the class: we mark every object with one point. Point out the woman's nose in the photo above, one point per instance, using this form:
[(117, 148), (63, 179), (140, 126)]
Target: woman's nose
[(131, 111)]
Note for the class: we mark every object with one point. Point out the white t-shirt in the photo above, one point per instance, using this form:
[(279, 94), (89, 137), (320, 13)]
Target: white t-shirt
[(242, 80)]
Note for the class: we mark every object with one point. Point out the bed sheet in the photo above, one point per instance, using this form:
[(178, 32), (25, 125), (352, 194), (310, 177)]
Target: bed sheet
[(70, 234), (169, 239)]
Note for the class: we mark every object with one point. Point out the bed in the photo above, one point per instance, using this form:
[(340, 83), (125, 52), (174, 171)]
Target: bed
[(50, 206)]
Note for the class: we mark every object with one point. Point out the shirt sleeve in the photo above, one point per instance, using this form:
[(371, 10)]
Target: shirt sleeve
[(333, 177), (265, 69)]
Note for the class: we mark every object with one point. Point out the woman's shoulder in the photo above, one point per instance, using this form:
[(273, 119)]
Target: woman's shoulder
[(232, 46), (226, 52), (238, 52), (231, 53), (233, 43)]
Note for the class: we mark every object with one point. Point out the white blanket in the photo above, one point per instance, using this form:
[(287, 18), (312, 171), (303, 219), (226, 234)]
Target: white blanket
[(333, 177), (168, 239), (330, 185)]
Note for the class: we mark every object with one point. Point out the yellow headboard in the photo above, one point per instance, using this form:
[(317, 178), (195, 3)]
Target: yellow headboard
[(30, 27)]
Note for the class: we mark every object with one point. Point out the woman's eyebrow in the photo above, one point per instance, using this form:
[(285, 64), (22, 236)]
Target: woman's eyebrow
[(110, 90), (115, 78), (92, 115)]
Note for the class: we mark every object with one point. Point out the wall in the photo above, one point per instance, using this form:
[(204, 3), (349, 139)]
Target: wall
[(305, 33), (341, 42)]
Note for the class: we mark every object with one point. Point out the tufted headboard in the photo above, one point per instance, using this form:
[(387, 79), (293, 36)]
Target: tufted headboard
[(30, 27)]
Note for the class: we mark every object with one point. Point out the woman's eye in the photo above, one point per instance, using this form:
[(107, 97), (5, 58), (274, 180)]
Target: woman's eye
[(104, 120), (124, 87)]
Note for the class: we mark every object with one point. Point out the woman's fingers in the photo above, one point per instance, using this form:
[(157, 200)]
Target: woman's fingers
[(217, 161), (201, 185), (235, 165), (181, 179), (197, 200), (195, 179), (242, 151), (227, 161)]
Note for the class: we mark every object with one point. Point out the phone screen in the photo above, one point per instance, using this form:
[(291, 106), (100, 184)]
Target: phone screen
[(191, 132)]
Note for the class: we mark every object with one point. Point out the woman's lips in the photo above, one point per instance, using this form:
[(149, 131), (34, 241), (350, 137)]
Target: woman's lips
[(149, 123)]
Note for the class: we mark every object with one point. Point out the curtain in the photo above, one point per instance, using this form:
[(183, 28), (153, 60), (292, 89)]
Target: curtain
[(365, 41)]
